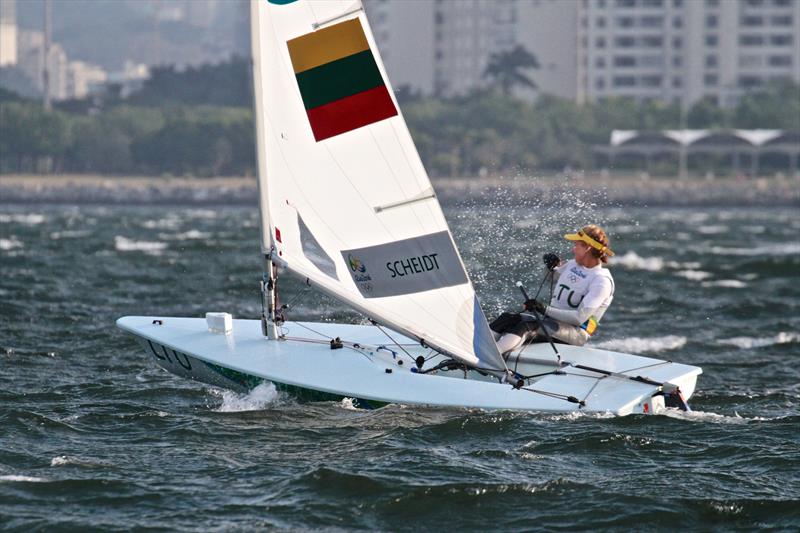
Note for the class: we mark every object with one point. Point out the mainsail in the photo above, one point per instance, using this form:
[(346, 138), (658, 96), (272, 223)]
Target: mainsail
[(345, 200)]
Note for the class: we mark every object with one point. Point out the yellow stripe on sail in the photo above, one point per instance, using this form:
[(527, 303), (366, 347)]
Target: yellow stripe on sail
[(326, 45)]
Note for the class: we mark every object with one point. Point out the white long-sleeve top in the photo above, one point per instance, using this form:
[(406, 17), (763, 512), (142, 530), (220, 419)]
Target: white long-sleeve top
[(580, 293)]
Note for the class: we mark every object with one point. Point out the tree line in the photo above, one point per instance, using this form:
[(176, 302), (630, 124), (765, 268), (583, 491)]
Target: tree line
[(198, 122)]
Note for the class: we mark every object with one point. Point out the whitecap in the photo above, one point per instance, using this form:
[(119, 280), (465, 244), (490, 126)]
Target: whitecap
[(30, 219), (10, 244), (202, 213), (67, 234), (123, 244), (747, 343), (693, 275), (713, 230), (188, 235), (62, 460), (255, 400), (691, 265), (634, 261), (164, 223), (29, 479), (642, 344), (777, 249), (703, 416), (727, 283)]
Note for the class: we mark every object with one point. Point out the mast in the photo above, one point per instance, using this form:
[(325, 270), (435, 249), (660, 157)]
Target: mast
[(269, 279)]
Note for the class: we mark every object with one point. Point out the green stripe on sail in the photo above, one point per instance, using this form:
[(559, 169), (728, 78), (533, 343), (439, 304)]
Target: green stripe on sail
[(339, 79)]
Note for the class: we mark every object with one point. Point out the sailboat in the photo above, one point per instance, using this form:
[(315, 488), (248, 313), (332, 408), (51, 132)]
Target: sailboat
[(346, 205)]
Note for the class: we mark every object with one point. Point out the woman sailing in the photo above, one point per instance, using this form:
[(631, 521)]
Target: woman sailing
[(582, 294)]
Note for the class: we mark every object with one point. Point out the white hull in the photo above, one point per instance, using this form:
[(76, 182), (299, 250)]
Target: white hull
[(306, 363)]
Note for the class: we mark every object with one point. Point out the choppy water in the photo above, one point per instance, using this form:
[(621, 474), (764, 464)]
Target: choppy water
[(94, 435)]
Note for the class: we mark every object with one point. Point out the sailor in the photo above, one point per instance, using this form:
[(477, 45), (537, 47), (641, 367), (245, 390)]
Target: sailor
[(580, 297)]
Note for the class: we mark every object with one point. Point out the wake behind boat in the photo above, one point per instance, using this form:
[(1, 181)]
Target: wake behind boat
[(346, 205)]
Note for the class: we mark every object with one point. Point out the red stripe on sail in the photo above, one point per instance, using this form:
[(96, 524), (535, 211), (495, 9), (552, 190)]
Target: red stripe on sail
[(351, 112)]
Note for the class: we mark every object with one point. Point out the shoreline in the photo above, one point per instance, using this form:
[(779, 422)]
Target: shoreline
[(602, 191)]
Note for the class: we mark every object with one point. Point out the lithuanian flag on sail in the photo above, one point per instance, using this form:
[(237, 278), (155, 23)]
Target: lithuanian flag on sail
[(339, 81)]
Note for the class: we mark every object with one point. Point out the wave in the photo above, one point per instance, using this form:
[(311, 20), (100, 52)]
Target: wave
[(73, 234), (255, 400), (26, 479), (163, 223), (642, 344), (10, 244), (30, 219), (634, 261), (747, 343), (776, 249), (202, 213), (727, 283), (188, 235), (713, 230), (694, 275), (123, 244)]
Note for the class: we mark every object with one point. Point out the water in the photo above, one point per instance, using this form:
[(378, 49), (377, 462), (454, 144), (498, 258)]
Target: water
[(94, 435)]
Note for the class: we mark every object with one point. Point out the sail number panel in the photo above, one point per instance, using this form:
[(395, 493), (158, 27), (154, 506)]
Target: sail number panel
[(407, 266)]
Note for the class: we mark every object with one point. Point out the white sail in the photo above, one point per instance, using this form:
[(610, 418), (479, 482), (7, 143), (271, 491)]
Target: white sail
[(346, 202)]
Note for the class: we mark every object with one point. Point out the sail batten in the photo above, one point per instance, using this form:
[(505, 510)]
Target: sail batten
[(344, 185)]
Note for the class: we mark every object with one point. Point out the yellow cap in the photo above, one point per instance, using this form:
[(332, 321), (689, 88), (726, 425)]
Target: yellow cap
[(581, 235)]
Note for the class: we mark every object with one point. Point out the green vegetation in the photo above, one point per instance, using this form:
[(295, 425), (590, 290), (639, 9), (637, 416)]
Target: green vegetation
[(199, 123)]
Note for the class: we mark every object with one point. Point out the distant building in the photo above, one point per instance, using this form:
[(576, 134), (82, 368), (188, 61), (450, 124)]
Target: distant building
[(68, 79), (30, 47), (84, 79), (130, 78), (8, 33), (405, 38), (31, 61), (443, 47), (548, 29), (685, 50)]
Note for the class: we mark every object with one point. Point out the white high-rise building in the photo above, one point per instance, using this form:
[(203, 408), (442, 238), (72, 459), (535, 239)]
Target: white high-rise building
[(404, 33), (444, 46), (84, 79), (30, 46), (8, 33), (31, 61), (685, 50)]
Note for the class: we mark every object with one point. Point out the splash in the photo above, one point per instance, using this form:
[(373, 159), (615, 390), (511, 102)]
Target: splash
[(123, 244), (641, 344), (348, 404), (255, 400), (747, 343)]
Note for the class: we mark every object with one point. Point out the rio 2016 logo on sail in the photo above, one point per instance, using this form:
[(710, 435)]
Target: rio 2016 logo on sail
[(360, 276)]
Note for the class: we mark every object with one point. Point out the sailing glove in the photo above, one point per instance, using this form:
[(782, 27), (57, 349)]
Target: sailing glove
[(551, 260), (535, 305)]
